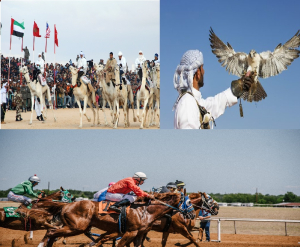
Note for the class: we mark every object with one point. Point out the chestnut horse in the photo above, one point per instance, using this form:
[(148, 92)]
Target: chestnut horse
[(78, 217), (182, 225), (35, 223)]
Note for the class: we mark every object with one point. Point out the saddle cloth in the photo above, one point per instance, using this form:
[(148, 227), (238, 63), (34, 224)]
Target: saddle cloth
[(10, 212), (145, 86), (104, 207)]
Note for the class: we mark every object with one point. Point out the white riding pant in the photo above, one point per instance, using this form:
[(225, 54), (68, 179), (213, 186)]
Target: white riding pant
[(17, 198), (38, 107), (116, 197)]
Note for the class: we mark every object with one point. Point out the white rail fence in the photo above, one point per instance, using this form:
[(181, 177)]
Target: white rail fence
[(249, 220)]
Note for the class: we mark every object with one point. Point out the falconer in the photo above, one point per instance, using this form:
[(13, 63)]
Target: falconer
[(17, 193), (110, 68), (82, 66), (119, 191), (188, 79)]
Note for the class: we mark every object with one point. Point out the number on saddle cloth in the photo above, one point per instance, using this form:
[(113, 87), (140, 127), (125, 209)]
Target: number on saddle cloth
[(187, 206)]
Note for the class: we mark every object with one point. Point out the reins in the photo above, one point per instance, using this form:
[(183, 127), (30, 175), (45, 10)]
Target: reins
[(177, 209)]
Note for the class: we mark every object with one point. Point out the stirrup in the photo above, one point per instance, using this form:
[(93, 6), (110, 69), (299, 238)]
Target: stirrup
[(115, 208)]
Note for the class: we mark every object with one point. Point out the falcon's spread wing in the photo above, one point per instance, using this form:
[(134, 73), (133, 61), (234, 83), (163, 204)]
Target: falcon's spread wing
[(273, 63), (236, 63)]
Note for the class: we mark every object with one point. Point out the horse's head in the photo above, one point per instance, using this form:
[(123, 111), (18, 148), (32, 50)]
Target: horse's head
[(209, 204), (171, 198), (66, 196)]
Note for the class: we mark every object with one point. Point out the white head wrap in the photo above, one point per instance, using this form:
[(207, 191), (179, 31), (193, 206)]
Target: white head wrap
[(184, 73), (81, 53)]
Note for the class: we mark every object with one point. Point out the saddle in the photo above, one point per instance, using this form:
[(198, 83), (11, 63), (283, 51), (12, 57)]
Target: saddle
[(146, 86)]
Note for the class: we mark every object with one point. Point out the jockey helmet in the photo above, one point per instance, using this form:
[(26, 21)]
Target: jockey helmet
[(179, 183), (120, 53), (171, 185), (140, 176), (34, 178), (111, 183)]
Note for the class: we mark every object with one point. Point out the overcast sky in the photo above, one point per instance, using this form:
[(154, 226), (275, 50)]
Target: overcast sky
[(227, 161), (259, 25), (94, 27)]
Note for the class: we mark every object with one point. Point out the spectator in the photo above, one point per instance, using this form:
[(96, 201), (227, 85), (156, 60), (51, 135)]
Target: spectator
[(26, 54), (204, 225)]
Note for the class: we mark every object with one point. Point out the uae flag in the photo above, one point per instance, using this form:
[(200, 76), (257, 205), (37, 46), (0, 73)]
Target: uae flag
[(17, 29)]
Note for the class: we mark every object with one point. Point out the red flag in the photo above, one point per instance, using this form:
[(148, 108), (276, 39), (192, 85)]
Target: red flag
[(36, 30), (55, 36)]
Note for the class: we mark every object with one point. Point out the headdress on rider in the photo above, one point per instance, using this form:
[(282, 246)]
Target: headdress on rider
[(156, 55), (140, 176), (120, 53), (140, 52), (34, 178)]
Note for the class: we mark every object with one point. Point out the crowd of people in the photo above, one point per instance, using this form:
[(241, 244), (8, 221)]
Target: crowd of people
[(59, 79)]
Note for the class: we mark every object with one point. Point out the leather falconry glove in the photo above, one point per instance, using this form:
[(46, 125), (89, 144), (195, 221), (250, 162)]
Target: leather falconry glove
[(238, 87)]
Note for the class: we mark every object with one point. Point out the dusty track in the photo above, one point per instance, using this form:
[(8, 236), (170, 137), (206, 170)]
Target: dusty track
[(67, 119)]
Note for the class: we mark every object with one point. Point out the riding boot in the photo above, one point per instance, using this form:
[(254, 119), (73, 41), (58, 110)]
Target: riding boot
[(93, 92), (117, 206)]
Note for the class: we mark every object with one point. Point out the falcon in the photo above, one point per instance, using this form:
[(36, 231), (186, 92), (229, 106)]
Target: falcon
[(263, 65)]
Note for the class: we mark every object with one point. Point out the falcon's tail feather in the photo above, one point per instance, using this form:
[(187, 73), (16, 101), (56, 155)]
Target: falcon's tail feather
[(256, 93)]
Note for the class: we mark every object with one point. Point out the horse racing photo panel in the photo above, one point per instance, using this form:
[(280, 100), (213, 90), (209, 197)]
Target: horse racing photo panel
[(80, 65)]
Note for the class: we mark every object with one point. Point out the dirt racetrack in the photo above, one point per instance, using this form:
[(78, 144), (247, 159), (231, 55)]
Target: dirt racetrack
[(248, 233), (67, 119)]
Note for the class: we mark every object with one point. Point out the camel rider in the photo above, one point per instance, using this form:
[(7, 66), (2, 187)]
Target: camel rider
[(82, 66), (100, 195), (156, 60), (39, 71), (123, 67), (119, 191), (110, 68), (140, 60), (17, 193)]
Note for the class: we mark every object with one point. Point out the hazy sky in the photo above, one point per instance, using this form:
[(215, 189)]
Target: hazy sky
[(94, 27), (228, 161), (259, 25)]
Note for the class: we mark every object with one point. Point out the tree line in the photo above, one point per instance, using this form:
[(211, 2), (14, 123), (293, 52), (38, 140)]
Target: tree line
[(228, 198)]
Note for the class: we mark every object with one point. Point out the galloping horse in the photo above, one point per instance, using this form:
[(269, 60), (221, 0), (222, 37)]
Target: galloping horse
[(35, 222), (179, 224), (78, 217)]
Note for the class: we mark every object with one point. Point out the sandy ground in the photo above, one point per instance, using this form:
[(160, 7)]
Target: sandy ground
[(67, 119), (248, 233)]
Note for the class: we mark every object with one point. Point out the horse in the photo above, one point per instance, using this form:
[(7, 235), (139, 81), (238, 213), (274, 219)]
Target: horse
[(81, 93), (178, 223), (78, 217), (30, 218), (36, 89)]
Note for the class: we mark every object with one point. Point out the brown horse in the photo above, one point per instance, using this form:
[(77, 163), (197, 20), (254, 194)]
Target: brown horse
[(78, 217), (181, 224), (30, 220)]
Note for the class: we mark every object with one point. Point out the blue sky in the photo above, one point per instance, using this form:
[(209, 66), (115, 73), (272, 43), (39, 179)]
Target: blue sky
[(94, 27), (259, 25), (224, 161)]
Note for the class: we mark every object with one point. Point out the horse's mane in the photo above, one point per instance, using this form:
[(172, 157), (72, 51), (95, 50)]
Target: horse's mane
[(194, 195), (159, 196)]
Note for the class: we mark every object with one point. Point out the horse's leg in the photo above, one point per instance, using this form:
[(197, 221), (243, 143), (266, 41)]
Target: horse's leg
[(105, 237), (138, 240), (84, 108), (127, 238), (131, 98), (80, 112), (32, 102), (164, 238), (90, 103), (184, 232)]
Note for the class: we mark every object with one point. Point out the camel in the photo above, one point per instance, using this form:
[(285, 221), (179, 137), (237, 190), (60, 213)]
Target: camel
[(36, 89), (131, 99), (120, 100), (155, 75), (108, 92), (143, 96), (81, 93)]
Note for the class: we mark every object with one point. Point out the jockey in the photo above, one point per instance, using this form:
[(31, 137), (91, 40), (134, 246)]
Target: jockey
[(82, 66), (180, 188), (98, 195), (17, 193), (156, 60), (40, 70), (171, 186), (119, 191), (123, 67), (140, 60)]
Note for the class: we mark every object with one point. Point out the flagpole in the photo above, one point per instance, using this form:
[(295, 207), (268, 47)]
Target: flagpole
[(54, 66), (9, 56)]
